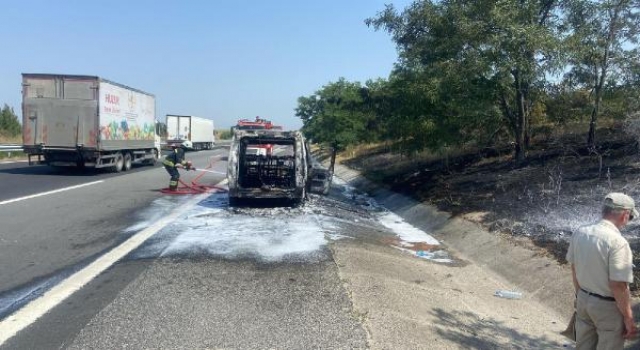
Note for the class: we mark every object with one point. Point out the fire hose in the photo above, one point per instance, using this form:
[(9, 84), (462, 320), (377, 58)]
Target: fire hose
[(195, 187)]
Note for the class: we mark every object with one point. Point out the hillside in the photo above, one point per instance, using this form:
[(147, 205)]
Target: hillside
[(558, 188)]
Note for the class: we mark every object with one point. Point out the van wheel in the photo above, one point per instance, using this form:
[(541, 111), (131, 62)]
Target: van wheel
[(118, 163), (126, 166)]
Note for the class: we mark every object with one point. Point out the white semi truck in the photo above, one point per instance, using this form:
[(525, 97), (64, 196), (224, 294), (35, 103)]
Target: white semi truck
[(199, 131), (87, 121)]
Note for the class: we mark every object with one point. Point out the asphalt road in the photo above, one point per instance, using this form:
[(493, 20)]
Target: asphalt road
[(257, 278), (51, 235)]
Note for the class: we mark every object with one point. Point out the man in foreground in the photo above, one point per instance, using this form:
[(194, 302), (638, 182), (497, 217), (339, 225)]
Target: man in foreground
[(601, 264)]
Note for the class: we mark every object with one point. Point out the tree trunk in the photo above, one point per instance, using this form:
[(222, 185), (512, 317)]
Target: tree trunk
[(521, 120), (333, 160), (334, 152), (591, 141), (604, 65)]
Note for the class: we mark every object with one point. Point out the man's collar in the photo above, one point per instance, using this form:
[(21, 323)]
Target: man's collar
[(610, 224)]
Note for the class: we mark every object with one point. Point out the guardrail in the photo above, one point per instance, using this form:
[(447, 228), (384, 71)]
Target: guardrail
[(10, 148)]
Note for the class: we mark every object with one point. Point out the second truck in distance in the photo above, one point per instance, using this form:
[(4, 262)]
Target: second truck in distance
[(182, 128)]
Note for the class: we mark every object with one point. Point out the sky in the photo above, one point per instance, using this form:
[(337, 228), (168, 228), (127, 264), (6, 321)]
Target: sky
[(222, 60)]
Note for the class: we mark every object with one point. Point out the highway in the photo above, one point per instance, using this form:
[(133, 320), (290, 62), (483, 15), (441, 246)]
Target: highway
[(238, 290), (94, 260), (46, 235)]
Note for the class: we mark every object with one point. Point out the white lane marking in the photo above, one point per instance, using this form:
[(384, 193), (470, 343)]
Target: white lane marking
[(29, 313), (49, 192)]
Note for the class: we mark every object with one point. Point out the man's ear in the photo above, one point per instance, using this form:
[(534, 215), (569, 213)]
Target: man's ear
[(625, 215)]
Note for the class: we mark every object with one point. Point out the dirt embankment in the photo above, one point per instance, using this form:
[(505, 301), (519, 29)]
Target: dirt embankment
[(559, 188)]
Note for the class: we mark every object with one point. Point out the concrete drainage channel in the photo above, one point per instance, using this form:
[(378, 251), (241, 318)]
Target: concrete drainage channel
[(532, 273)]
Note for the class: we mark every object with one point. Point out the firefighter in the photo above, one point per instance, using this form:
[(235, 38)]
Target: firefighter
[(176, 160)]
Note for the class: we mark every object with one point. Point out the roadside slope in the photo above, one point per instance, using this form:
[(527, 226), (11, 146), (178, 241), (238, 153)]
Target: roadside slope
[(410, 303)]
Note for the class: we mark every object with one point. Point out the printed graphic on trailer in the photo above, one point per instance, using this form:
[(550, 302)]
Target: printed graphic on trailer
[(125, 114)]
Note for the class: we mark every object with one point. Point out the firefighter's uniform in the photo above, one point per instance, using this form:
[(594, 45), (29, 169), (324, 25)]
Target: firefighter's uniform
[(171, 163)]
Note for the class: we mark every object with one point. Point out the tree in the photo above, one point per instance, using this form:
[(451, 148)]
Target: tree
[(9, 124), (334, 114), (564, 104), (161, 129), (494, 54), (601, 44)]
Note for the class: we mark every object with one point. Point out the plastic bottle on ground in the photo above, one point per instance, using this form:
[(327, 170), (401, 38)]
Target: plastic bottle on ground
[(508, 294)]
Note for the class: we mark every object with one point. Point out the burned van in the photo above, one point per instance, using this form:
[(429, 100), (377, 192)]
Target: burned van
[(268, 164)]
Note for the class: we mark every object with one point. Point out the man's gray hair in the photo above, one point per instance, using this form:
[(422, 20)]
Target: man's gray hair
[(606, 210)]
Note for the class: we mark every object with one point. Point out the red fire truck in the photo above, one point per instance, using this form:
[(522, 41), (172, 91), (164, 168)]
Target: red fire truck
[(258, 124)]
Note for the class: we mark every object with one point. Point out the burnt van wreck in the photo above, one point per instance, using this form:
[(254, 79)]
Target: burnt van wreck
[(272, 165)]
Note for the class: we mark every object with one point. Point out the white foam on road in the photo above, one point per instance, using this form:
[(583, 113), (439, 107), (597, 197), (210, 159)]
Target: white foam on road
[(404, 230), (50, 192), (269, 238), (158, 209)]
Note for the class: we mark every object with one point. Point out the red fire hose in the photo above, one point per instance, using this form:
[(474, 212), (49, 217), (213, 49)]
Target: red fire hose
[(195, 187)]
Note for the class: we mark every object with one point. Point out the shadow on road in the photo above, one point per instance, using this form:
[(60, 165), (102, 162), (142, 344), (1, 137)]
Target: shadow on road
[(47, 170), (472, 331)]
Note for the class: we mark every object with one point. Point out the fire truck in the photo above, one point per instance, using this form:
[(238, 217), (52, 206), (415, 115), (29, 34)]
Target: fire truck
[(257, 124)]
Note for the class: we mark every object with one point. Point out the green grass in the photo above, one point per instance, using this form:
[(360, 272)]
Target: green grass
[(12, 155), (10, 139), (4, 139)]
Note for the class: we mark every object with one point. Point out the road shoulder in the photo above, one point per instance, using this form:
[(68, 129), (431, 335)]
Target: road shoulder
[(409, 303), (445, 298)]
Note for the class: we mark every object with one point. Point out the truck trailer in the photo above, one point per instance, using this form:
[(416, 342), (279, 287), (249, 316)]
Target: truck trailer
[(87, 121), (199, 131)]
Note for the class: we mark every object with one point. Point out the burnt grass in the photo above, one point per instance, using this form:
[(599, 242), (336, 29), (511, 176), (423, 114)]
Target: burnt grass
[(539, 202)]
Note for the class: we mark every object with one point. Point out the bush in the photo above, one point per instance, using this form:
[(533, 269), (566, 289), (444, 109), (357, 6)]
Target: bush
[(223, 134), (9, 124)]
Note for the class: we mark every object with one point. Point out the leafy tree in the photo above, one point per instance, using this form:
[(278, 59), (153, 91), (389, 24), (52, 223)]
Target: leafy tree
[(436, 108), (161, 129), (223, 134), (564, 104), (601, 41), (334, 114), (9, 124), (479, 56)]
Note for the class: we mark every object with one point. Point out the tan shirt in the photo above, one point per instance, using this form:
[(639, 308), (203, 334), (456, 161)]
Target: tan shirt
[(599, 254)]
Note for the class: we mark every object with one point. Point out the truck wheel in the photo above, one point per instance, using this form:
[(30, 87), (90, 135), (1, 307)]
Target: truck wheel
[(152, 161), (155, 157), (126, 166), (118, 163)]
